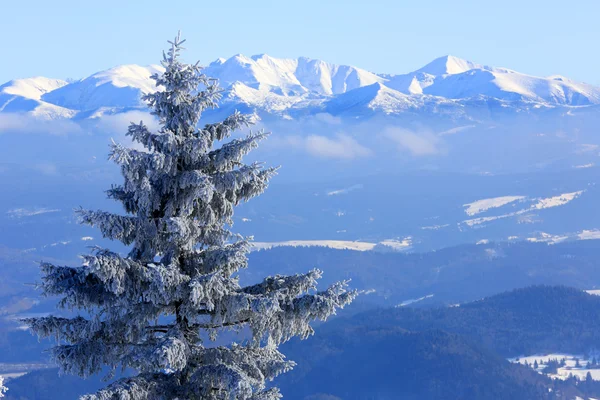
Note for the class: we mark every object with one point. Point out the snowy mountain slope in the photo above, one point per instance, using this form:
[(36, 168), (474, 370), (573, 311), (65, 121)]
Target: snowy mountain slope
[(451, 65), (454, 78), (514, 86), (371, 97), (448, 77), (34, 108), (380, 98), (267, 101), (290, 76), (415, 82), (120, 86), (24, 95), (32, 88)]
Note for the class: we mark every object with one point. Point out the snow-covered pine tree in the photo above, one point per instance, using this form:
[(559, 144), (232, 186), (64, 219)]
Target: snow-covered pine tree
[(151, 310)]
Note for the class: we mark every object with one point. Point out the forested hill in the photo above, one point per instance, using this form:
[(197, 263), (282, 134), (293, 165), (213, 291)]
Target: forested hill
[(447, 353), (532, 320), (525, 321), (425, 353), (368, 362)]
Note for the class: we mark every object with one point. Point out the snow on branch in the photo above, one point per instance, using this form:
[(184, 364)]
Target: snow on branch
[(112, 226), (3, 389)]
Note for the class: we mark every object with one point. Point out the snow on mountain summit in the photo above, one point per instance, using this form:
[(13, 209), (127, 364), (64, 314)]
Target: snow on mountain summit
[(277, 84), (120, 86), (32, 88), (368, 98), (24, 95), (290, 76), (451, 65), (454, 78), (510, 85)]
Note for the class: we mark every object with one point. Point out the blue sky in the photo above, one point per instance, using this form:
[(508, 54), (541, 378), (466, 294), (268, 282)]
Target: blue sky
[(72, 39)]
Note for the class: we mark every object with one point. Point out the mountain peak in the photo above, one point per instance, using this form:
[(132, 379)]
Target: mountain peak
[(32, 88), (449, 65), (290, 76), (120, 86)]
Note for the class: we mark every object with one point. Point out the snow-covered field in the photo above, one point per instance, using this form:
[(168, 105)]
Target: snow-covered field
[(589, 234), (480, 206), (386, 245), (544, 237), (535, 204), (412, 301), (568, 368), (556, 201)]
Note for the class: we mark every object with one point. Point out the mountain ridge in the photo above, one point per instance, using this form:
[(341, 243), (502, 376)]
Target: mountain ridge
[(275, 85)]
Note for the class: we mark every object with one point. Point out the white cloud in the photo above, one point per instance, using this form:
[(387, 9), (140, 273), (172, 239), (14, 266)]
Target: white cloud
[(115, 124), (26, 124), (418, 144), (46, 168), (339, 147), (118, 123), (328, 119)]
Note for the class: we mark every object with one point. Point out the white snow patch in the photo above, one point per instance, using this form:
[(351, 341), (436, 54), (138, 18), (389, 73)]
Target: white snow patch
[(480, 206), (570, 362), (412, 301), (434, 227), (386, 245), (524, 214), (556, 201), (589, 234), (478, 221), (64, 243), (396, 245), (344, 191), (334, 244), (24, 212), (544, 237)]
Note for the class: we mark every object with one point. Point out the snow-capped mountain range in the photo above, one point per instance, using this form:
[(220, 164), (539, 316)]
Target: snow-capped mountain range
[(281, 86)]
